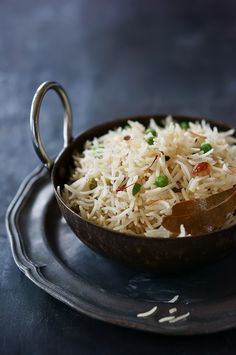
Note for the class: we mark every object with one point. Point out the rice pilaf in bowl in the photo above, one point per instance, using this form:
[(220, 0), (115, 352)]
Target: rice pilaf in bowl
[(138, 180)]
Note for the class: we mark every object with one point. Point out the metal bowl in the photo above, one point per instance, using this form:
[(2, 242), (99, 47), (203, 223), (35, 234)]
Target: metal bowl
[(163, 255)]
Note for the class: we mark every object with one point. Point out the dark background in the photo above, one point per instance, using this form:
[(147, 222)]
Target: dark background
[(115, 58)]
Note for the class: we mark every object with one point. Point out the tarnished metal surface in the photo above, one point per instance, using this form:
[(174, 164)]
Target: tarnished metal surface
[(48, 253)]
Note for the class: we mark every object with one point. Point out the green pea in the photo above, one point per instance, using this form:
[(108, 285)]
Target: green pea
[(108, 182), (151, 131), (161, 181), (150, 140), (184, 125), (97, 147), (136, 189), (205, 147), (92, 183)]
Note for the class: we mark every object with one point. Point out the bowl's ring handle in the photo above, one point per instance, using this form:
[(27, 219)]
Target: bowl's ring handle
[(34, 119)]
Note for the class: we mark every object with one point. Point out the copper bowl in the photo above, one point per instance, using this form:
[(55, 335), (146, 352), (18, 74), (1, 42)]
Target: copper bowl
[(163, 255)]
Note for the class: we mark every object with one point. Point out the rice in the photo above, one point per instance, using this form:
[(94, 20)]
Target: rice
[(102, 185), (166, 319), (182, 317), (147, 313), (174, 299), (172, 310)]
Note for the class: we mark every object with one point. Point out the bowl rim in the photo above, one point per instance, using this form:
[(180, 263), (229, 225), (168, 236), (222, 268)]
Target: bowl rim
[(113, 122)]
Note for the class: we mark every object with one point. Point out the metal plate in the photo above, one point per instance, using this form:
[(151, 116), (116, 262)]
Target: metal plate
[(47, 251)]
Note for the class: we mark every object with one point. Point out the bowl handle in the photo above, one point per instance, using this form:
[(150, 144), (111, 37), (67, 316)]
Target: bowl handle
[(34, 119)]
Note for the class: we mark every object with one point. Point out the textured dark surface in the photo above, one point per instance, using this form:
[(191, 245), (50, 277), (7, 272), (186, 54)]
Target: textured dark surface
[(115, 58)]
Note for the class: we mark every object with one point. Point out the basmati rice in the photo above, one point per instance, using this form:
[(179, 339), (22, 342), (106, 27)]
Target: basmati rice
[(121, 158), (174, 299), (166, 319), (148, 313), (172, 310), (182, 317)]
